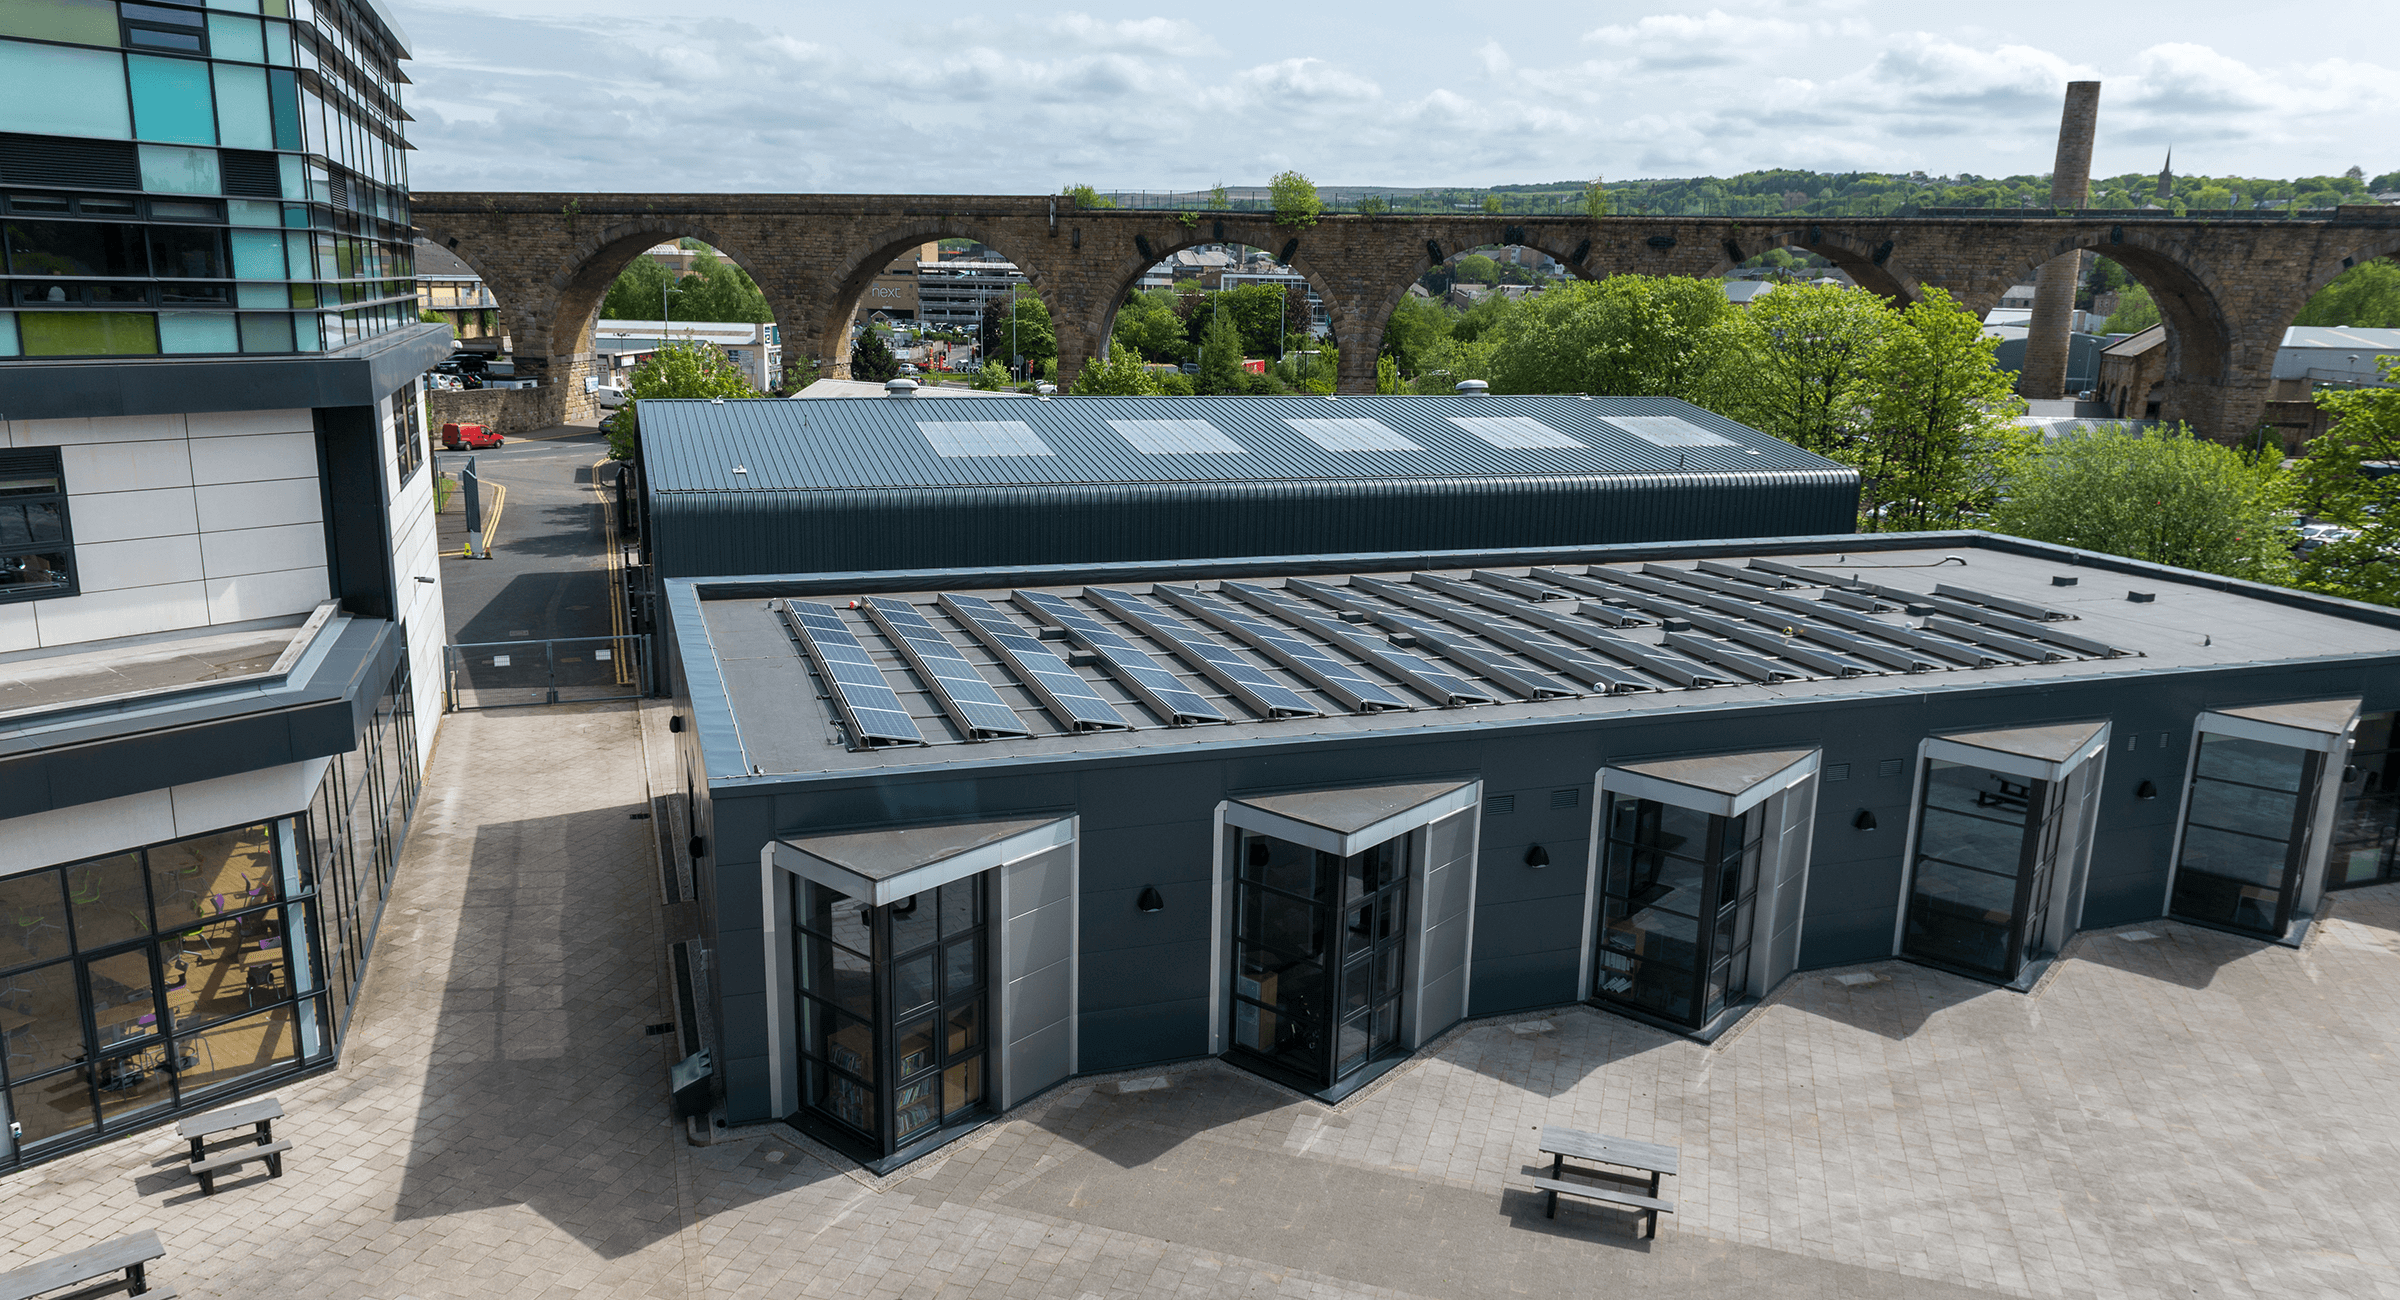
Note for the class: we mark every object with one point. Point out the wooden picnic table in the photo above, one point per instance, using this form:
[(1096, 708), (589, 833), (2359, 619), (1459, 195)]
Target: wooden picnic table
[(126, 1255), (1562, 1144)]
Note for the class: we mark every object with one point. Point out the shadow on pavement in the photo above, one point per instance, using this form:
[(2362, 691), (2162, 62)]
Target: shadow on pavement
[(1552, 1063), (1903, 997), (1130, 1130), (2181, 954)]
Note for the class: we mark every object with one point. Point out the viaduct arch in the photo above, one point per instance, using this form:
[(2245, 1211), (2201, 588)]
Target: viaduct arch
[(2226, 285)]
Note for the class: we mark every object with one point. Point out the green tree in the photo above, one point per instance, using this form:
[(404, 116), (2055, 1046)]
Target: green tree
[(1387, 374), (1414, 326), (1628, 335), (1119, 374), (1261, 312), (1944, 434), (1491, 204), (430, 317), (2332, 484), (1218, 199), (2366, 296), (2165, 497), (2136, 311), (717, 290), (1371, 205), (871, 359), (1475, 268), (1295, 199), (992, 378), (1816, 351), (1148, 323), (675, 370), (1034, 337), (1220, 353), (637, 291), (1087, 197), (1595, 198)]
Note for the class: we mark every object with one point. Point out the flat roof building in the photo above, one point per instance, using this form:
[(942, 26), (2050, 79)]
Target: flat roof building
[(963, 835)]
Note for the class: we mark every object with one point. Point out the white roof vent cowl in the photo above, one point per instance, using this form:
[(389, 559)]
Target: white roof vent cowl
[(1473, 388), (900, 388)]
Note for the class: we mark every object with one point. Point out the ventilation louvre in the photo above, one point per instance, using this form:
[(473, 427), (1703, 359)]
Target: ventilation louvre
[(249, 174), (69, 164), (1498, 804), (1565, 798)]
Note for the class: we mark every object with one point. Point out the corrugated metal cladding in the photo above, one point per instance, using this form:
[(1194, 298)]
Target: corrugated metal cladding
[(843, 484)]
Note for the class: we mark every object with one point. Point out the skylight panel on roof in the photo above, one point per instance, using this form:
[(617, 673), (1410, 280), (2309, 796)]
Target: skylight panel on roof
[(1352, 435), (1513, 431), (1174, 437), (982, 438), (1670, 431)]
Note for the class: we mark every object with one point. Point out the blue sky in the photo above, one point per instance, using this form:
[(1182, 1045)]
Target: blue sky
[(732, 95)]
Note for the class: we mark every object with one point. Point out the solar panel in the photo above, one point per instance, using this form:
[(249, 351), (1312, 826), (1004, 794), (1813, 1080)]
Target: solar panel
[(956, 438), (1558, 621), (1422, 675), (1246, 680), (1174, 437), (865, 700), (1743, 601), (1293, 652), (1061, 689), (1670, 431), (1352, 435), (1773, 633), (1448, 645), (964, 694), (1725, 656), (1513, 431), (1539, 647), (2021, 608), (1163, 691)]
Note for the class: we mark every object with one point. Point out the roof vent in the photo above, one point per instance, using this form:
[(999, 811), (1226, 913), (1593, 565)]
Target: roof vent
[(900, 388), (1473, 388), (2141, 597)]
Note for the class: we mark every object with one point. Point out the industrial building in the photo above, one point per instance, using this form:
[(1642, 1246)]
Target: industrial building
[(960, 835)]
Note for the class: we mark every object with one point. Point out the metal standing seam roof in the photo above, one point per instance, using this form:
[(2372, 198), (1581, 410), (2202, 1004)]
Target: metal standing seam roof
[(768, 445)]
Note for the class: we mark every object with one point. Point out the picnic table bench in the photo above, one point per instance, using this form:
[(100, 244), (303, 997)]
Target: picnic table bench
[(1563, 1144), (125, 1254), (260, 1115)]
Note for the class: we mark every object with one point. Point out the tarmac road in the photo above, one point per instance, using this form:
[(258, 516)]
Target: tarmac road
[(548, 575)]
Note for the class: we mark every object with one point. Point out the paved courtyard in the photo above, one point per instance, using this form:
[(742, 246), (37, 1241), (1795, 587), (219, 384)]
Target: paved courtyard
[(2186, 1115)]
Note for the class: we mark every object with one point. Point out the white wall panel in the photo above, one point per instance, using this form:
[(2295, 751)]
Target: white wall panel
[(117, 516), (221, 424), (245, 798), (265, 595), (136, 611), (262, 550), (259, 505), (94, 467), (142, 562), (254, 457), (85, 830), (1037, 972), (108, 428), (18, 630)]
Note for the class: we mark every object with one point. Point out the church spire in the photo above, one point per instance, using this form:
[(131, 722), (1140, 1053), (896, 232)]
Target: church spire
[(2166, 178)]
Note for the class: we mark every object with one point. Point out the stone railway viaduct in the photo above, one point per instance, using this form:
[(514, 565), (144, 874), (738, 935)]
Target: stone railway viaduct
[(2226, 287)]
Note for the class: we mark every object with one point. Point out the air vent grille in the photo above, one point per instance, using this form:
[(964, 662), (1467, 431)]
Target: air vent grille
[(250, 175), (69, 164), (1498, 804)]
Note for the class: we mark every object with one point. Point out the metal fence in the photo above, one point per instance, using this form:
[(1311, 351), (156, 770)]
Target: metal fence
[(497, 674), (1634, 202)]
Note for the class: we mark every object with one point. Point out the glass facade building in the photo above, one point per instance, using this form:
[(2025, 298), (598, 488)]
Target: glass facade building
[(178, 180)]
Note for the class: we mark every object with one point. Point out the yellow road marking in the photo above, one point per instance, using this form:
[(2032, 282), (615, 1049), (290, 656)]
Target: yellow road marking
[(491, 525)]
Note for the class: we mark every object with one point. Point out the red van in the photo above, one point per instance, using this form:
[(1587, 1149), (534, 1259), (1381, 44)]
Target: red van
[(468, 437)]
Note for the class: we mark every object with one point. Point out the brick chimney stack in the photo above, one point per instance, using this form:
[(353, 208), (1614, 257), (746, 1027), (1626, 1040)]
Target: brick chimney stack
[(2046, 339)]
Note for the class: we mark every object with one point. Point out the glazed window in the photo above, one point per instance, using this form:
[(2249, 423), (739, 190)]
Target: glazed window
[(37, 554)]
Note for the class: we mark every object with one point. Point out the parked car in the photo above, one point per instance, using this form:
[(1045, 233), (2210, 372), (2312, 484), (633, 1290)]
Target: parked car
[(469, 437), (609, 398)]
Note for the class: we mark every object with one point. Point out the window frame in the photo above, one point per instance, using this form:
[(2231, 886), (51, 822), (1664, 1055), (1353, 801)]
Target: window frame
[(41, 462)]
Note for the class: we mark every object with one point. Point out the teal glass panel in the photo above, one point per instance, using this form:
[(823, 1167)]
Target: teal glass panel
[(262, 296), (295, 185), (254, 212), (8, 333), (168, 170), (242, 108), (171, 100), (197, 331), (279, 43), (235, 38), (304, 333), (264, 333), (283, 91), (53, 90), (80, 22), (235, 6), (296, 251), (257, 255), (88, 333)]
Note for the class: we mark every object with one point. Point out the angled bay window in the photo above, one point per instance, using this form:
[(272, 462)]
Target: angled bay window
[(37, 553)]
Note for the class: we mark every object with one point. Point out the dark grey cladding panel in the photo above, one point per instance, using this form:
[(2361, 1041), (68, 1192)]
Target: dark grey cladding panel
[(125, 754), (356, 376), (746, 1096), (1134, 977), (1852, 935), (1517, 929), (1519, 983), (1123, 1037), (1131, 857)]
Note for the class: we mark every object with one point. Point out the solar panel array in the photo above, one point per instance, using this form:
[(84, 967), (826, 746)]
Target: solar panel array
[(1163, 691), (866, 701), (1062, 691), (965, 695), (1318, 646)]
